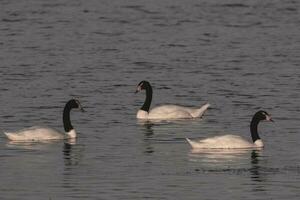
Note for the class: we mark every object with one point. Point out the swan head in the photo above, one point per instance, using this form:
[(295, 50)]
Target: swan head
[(76, 104), (263, 115), (142, 86), (258, 116)]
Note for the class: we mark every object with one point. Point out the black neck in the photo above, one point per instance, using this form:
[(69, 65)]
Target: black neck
[(253, 129), (147, 103), (66, 118)]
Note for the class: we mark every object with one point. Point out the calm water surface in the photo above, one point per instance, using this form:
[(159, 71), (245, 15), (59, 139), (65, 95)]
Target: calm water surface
[(240, 56)]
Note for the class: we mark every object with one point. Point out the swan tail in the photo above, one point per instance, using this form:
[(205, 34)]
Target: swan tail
[(10, 136), (190, 142), (13, 136), (201, 111)]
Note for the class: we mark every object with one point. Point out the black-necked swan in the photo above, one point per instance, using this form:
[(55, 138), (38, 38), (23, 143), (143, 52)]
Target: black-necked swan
[(165, 111), (37, 133), (234, 141)]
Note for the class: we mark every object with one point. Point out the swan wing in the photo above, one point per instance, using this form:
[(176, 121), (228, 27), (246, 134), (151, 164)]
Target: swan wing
[(221, 142), (169, 112), (35, 133), (176, 112)]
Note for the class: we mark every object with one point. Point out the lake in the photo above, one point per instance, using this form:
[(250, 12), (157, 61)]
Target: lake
[(240, 56)]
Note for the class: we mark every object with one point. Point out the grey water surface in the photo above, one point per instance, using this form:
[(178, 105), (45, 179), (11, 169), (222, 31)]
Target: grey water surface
[(241, 56)]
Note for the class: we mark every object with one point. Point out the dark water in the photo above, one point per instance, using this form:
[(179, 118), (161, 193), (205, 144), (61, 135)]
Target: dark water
[(240, 56)]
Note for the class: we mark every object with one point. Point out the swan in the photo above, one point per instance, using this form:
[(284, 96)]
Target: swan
[(165, 111), (37, 133), (234, 141)]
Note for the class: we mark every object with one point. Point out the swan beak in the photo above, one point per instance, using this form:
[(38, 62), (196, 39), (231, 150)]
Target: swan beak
[(81, 108), (269, 118), (138, 89)]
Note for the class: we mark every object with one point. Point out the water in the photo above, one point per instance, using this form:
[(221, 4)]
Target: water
[(240, 56)]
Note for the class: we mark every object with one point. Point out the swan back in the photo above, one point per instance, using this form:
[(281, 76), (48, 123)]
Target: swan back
[(222, 142), (169, 112), (176, 112), (35, 133)]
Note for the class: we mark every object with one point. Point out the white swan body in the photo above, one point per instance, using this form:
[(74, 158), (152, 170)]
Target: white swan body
[(37, 133), (225, 142), (165, 111), (234, 141), (172, 112)]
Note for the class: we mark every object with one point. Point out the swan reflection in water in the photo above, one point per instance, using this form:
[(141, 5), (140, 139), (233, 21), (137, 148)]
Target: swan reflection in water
[(218, 156), (148, 132), (72, 152), (239, 161), (256, 172), (30, 145), (147, 128), (233, 160)]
